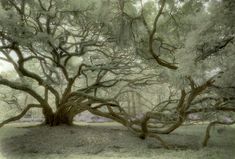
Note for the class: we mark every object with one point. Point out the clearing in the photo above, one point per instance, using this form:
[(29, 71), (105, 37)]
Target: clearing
[(110, 140)]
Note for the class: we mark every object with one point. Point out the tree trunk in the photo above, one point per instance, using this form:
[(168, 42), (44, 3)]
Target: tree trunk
[(60, 117), (63, 117), (48, 115)]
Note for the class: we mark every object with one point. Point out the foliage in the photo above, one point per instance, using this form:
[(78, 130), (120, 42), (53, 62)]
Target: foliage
[(72, 56)]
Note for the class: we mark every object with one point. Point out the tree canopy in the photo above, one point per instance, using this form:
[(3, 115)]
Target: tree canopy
[(70, 56)]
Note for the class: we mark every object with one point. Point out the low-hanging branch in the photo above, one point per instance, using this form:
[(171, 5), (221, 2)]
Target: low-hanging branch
[(70, 60), (207, 135), (20, 115), (180, 112)]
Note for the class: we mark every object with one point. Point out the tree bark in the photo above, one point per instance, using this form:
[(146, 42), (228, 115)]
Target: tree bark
[(48, 115), (63, 118), (60, 117)]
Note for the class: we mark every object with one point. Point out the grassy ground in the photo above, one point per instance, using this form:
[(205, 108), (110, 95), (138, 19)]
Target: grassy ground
[(110, 140)]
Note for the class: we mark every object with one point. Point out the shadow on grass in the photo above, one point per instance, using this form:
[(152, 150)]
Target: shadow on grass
[(88, 140)]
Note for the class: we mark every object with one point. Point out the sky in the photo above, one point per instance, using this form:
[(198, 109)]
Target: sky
[(5, 66)]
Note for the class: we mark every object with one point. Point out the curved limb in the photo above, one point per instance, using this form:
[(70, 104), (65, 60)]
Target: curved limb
[(207, 136), (145, 133), (151, 40), (19, 116)]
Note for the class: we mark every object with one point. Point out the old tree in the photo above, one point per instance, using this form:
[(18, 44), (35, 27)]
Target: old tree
[(72, 56)]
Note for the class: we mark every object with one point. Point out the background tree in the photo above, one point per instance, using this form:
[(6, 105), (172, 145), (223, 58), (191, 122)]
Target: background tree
[(194, 34), (90, 54)]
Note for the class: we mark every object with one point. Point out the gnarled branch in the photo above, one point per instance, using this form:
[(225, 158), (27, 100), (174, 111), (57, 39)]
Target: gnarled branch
[(20, 115)]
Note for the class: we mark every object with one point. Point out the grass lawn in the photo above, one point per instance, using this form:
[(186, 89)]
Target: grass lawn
[(110, 140)]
